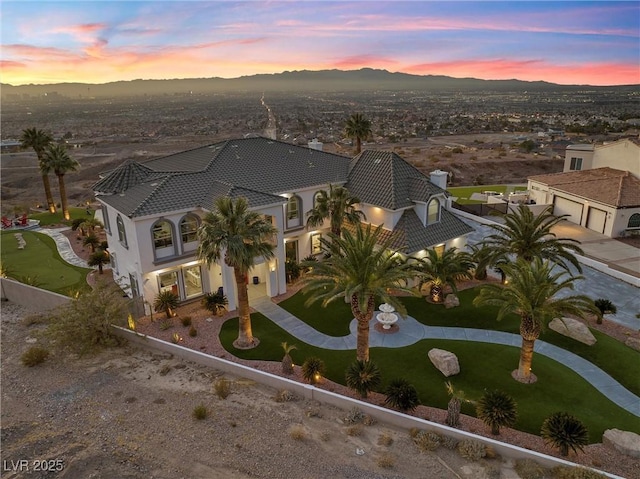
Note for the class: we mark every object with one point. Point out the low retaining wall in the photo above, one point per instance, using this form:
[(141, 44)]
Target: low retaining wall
[(387, 416), (30, 297)]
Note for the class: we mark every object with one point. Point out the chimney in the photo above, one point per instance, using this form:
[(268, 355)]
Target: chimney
[(439, 178)]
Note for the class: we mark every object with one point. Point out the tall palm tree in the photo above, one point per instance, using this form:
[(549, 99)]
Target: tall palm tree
[(58, 160), (444, 269), (99, 259), (39, 140), (362, 271), (358, 128), (527, 236), (532, 293), (237, 235), (336, 205)]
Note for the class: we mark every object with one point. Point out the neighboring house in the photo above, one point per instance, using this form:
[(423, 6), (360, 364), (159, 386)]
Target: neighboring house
[(599, 189), (604, 200), (152, 211), (620, 155)]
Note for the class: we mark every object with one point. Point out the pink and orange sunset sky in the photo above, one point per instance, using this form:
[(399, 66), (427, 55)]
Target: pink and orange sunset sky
[(594, 43)]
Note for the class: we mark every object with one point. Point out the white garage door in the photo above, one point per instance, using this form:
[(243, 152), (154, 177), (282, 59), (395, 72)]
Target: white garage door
[(563, 206), (596, 220)]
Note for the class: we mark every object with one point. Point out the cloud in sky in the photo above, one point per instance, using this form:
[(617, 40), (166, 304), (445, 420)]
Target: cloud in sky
[(563, 42)]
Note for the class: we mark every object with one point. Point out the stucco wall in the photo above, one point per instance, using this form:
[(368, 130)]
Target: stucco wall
[(30, 297)]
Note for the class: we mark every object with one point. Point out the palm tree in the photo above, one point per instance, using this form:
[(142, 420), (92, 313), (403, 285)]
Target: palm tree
[(337, 206), (360, 270), (497, 409), (565, 432), (363, 377), (287, 361), (39, 140), (527, 236), (444, 269), (57, 159), (237, 235), (92, 241), (358, 128), (532, 293), (166, 301), (90, 224), (99, 259)]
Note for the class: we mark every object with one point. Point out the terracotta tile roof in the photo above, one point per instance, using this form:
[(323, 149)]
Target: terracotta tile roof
[(609, 186)]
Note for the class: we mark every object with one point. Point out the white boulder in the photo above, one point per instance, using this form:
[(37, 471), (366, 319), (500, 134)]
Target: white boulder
[(451, 301), (628, 443), (574, 329), (445, 361)]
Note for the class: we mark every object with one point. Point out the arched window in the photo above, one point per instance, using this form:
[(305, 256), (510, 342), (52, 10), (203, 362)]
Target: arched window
[(634, 221), (315, 198), (433, 211), (105, 219), (162, 235), (189, 228), (294, 212), (122, 234)]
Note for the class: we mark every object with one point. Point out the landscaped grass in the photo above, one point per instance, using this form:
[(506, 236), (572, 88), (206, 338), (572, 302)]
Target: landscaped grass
[(48, 219), (607, 353), (483, 366), (40, 260)]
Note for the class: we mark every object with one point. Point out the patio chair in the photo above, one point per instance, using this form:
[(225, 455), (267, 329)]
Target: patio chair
[(22, 221), (6, 222)]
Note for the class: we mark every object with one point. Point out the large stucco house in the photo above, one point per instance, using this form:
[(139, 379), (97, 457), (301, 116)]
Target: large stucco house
[(598, 189), (152, 210)]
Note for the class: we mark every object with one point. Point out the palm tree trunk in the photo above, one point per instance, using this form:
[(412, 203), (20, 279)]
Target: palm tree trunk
[(47, 191), (63, 198), (358, 145), (526, 358), (245, 336), (363, 318)]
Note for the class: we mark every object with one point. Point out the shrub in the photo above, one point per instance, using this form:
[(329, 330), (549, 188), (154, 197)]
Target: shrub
[(200, 412), (567, 472), (386, 460), (34, 355), (222, 387), (471, 450), (84, 325), (165, 324), (186, 321), (284, 395), (564, 431), (528, 469), (215, 302), (292, 269), (496, 409), (401, 395), (605, 306), (312, 369), (449, 442), (298, 433), (385, 440), (287, 361), (354, 416), (427, 441), (166, 301), (363, 377), (193, 332), (355, 431)]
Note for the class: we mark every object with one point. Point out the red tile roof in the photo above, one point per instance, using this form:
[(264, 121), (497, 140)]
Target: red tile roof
[(606, 185)]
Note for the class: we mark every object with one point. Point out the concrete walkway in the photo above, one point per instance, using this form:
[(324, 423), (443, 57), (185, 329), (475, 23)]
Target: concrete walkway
[(64, 247), (411, 331)]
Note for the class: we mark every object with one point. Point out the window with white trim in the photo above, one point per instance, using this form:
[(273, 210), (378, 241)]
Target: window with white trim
[(189, 229), (575, 164), (293, 213), (122, 234), (433, 211)]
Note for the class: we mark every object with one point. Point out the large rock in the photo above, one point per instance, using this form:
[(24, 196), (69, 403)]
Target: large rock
[(633, 343), (445, 361), (574, 329), (628, 443), (451, 301)]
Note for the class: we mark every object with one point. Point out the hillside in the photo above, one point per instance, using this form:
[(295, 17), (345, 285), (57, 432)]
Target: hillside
[(323, 80)]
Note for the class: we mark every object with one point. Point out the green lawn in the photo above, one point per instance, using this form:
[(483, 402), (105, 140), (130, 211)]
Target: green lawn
[(484, 366), (40, 260), (48, 219)]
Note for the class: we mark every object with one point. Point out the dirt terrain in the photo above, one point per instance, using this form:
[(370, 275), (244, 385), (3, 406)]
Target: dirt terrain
[(483, 159)]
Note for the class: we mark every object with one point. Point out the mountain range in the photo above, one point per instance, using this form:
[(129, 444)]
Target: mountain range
[(365, 79)]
